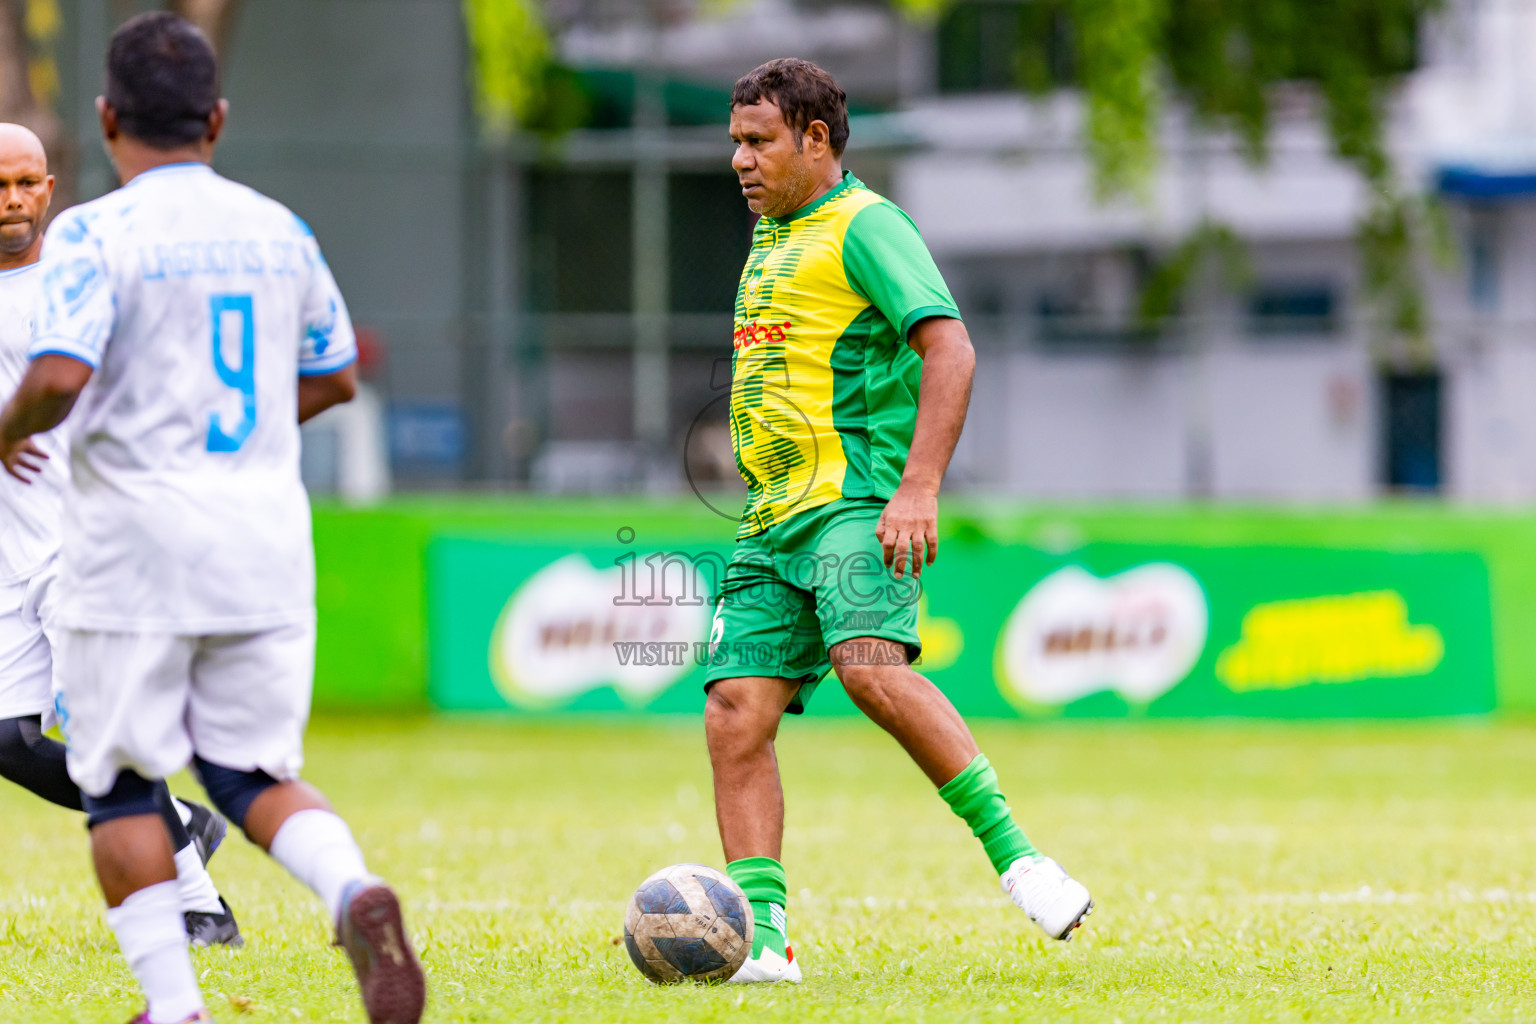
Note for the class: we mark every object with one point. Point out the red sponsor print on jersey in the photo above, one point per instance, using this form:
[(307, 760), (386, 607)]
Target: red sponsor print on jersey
[(757, 332)]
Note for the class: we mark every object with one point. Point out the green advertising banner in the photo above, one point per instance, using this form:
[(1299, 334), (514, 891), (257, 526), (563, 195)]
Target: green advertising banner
[(1106, 631)]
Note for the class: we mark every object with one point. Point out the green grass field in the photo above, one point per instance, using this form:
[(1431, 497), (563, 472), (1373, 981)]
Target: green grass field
[(1243, 873)]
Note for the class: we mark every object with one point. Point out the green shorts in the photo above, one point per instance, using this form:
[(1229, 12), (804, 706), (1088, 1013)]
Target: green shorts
[(803, 586)]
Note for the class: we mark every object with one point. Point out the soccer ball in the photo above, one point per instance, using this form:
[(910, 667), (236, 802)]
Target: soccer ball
[(688, 922)]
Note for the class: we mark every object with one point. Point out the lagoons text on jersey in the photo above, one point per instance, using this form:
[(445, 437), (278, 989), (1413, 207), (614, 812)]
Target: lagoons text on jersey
[(824, 385), (226, 257)]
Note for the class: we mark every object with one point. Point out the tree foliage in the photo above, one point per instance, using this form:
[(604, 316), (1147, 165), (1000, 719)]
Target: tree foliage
[(511, 51), (1225, 59), (1116, 43)]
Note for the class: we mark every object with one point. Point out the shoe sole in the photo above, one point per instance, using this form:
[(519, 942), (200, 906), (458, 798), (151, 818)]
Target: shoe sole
[(786, 980), (1075, 925), (393, 986)]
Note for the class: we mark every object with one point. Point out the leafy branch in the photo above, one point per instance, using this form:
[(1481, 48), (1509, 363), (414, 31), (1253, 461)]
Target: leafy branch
[(511, 51), (1225, 59)]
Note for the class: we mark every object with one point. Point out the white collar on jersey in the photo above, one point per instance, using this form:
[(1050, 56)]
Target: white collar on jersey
[(185, 165)]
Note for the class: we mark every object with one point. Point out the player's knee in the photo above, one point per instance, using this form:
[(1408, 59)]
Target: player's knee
[(722, 712), (131, 795), (732, 717), (231, 790), (869, 686)]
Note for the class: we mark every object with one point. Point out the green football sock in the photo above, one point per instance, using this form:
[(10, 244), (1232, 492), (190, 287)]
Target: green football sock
[(763, 881), (973, 794)]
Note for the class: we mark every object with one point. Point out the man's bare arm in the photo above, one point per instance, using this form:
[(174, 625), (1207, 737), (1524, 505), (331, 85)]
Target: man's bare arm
[(43, 400), (317, 394), (908, 528)]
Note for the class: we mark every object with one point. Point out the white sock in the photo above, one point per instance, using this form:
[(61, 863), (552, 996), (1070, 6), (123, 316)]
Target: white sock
[(153, 937), (194, 883), (317, 848)]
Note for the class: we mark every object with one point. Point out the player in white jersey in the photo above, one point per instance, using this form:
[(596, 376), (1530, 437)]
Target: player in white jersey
[(29, 540), (188, 325)]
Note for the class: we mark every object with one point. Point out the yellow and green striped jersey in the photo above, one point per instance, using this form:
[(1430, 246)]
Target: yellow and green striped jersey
[(824, 386)]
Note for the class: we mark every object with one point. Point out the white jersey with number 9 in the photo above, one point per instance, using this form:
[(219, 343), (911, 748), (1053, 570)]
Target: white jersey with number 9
[(199, 302)]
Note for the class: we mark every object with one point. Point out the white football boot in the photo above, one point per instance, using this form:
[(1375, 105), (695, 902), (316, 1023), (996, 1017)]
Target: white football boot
[(1053, 900), (769, 967)]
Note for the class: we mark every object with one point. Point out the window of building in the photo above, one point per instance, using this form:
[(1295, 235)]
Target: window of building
[(1060, 320), (1483, 260), (1292, 308), (579, 256), (1411, 409), (711, 234), (1001, 45)]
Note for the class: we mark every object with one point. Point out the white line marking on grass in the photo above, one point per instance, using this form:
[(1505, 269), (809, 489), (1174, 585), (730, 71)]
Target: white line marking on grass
[(1365, 894), (1386, 897)]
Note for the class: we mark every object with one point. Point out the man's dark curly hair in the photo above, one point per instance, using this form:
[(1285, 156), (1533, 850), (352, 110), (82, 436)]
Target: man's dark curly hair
[(162, 79), (802, 91)]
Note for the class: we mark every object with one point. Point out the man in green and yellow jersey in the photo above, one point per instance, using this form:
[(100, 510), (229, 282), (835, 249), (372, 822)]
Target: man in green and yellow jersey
[(851, 377)]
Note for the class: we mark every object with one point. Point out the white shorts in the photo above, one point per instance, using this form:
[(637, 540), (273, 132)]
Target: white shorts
[(149, 701), (26, 657)]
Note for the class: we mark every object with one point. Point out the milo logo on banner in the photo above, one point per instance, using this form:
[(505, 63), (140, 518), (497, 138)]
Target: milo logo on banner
[(1137, 634), (569, 629)]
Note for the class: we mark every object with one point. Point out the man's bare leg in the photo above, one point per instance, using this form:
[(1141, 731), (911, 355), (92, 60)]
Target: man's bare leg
[(131, 854), (276, 805), (877, 678), (136, 866), (295, 824), (741, 722)]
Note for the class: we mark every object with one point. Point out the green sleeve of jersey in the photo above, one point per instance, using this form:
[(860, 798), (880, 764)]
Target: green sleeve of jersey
[(886, 262)]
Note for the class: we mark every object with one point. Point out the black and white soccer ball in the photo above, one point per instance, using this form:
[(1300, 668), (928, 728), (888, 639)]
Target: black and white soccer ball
[(688, 922)]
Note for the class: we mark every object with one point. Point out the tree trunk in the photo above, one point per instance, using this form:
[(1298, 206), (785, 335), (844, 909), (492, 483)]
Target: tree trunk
[(20, 67), (15, 92), (215, 17)]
